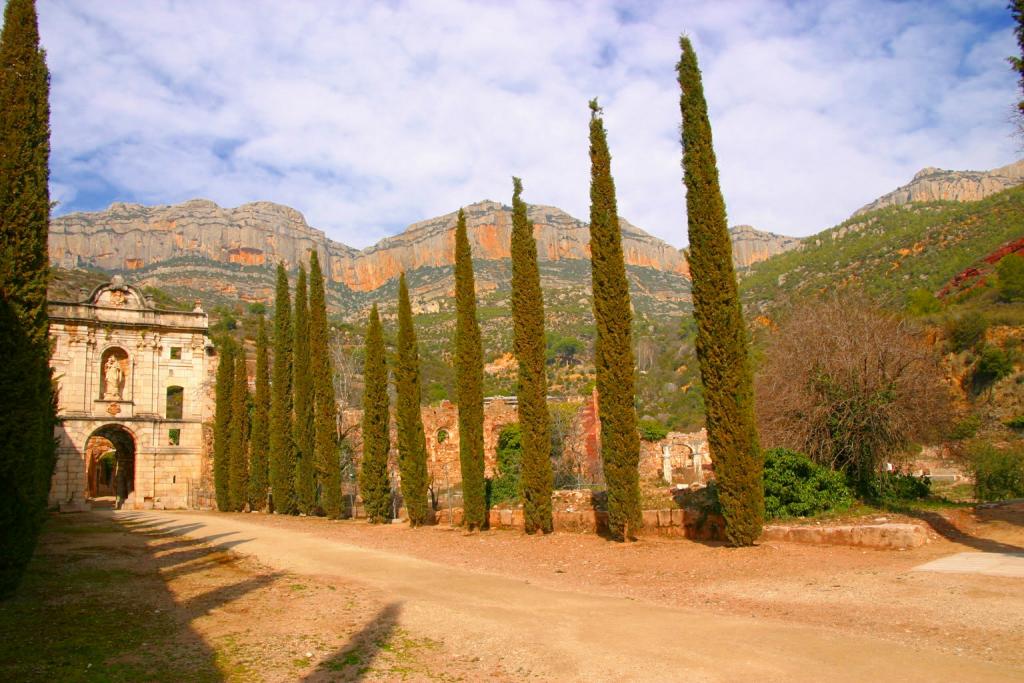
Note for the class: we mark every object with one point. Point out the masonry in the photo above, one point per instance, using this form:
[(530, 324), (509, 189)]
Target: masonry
[(134, 386)]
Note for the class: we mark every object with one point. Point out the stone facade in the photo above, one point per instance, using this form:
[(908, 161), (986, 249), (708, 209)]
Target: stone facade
[(135, 379)]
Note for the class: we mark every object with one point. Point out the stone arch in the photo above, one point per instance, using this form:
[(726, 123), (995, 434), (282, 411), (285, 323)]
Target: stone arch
[(123, 442), (114, 369)]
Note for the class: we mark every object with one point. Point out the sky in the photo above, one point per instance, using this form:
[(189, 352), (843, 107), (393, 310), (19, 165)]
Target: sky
[(369, 116)]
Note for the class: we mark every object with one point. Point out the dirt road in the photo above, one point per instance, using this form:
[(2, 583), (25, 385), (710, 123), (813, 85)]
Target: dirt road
[(544, 633)]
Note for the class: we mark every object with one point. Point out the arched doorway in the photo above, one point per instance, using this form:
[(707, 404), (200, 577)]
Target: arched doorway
[(110, 453)]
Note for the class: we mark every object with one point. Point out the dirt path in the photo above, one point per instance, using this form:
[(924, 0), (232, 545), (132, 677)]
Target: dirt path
[(539, 631)]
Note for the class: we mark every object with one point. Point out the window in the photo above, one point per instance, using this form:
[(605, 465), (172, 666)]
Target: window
[(442, 435), (175, 403), (173, 437), (175, 353)]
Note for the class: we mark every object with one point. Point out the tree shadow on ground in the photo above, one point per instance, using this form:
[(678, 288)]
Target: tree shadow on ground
[(945, 528), (354, 661)]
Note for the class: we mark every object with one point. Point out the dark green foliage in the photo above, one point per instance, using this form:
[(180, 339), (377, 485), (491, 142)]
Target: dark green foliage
[(302, 386), (998, 473), (795, 486), (993, 365), (259, 440), (966, 331), (652, 430), (373, 479), (721, 338), (238, 449), (412, 445), (325, 411), (1016, 8), (895, 487), (469, 371), (965, 428), (222, 422), (613, 349), (922, 302), (507, 483), (529, 347), (1010, 271), (1016, 422), (27, 410), (282, 450)]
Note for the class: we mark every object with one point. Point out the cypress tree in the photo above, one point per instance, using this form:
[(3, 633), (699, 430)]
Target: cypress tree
[(614, 363), (324, 409), (529, 346), (259, 441), (27, 410), (469, 378), (222, 423), (412, 445), (238, 453), (721, 334), (305, 485), (373, 479), (282, 450)]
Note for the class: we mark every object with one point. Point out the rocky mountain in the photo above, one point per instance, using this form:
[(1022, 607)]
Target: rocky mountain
[(750, 246), (934, 184)]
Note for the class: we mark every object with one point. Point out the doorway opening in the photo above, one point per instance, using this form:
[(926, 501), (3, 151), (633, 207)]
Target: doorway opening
[(110, 458)]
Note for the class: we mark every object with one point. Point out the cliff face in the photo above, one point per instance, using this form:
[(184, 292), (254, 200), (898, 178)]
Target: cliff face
[(932, 184), (750, 246)]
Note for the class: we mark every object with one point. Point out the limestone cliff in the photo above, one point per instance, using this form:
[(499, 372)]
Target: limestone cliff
[(750, 246), (931, 184)]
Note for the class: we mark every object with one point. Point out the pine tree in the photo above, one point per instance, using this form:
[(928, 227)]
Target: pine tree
[(373, 479), (305, 485), (238, 451), (222, 423), (469, 378), (325, 408), (721, 334), (412, 445), (614, 363), (259, 442), (529, 346), (282, 450), (27, 410)]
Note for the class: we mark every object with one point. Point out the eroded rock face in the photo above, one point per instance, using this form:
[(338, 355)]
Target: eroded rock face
[(932, 184), (750, 246)]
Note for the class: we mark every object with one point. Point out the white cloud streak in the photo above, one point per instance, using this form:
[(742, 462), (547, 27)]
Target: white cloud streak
[(367, 116)]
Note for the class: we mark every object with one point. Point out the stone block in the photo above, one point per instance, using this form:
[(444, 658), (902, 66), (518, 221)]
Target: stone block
[(650, 519), (677, 518), (664, 518), (878, 536)]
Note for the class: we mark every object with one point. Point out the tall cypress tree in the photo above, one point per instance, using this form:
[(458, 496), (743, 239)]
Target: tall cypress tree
[(469, 378), (259, 441), (529, 346), (222, 423), (373, 479), (282, 450), (27, 411), (614, 362), (238, 452), (305, 485), (325, 409), (412, 445), (721, 334)]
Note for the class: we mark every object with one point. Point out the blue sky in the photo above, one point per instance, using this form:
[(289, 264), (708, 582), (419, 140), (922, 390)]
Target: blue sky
[(368, 116)]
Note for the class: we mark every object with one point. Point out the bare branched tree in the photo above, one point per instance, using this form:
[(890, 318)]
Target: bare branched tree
[(851, 385)]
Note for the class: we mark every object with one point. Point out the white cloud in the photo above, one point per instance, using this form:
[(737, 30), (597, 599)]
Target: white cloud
[(367, 116)]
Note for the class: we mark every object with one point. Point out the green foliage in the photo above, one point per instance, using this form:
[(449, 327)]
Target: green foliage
[(238, 451), (412, 445), (893, 487), (966, 331), (1016, 422), (326, 455), (796, 486), (721, 337), (1016, 8), (528, 344), (1010, 271), (257, 308), (652, 430), (507, 484), (259, 439), (469, 370), (373, 478), (563, 350), (302, 385), (27, 410), (613, 350), (922, 302), (965, 428), (282, 450), (998, 473), (222, 422), (993, 365)]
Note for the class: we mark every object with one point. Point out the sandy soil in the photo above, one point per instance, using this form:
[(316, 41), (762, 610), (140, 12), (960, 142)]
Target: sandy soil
[(579, 607)]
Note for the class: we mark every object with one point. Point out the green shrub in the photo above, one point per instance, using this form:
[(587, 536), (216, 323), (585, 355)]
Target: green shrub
[(993, 365), (505, 485), (652, 430), (895, 486), (1010, 271), (795, 486), (1016, 422), (998, 474), (966, 331), (965, 428), (922, 302)]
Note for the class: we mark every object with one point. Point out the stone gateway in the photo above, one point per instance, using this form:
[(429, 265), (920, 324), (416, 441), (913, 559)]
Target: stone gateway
[(133, 393)]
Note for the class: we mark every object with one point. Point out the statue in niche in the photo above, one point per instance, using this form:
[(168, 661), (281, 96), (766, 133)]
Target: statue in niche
[(113, 378)]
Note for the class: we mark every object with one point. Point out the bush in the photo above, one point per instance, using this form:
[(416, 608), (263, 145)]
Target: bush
[(895, 487), (1010, 271), (965, 428), (993, 365), (922, 302), (1016, 422), (998, 474), (505, 485), (966, 331), (795, 486), (652, 430)]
